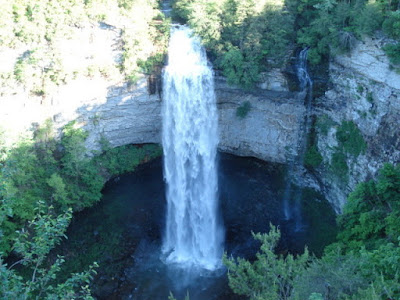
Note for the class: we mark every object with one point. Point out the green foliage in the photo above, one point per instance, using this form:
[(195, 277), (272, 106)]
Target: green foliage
[(393, 52), (391, 25), (40, 26), (205, 19), (372, 211), (270, 276), (364, 263), (33, 245), (370, 233), (316, 296), (145, 40), (117, 161), (324, 123), (60, 173), (339, 165), (171, 296), (370, 98), (243, 109), (237, 70), (333, 26), (148, 66), (41, 234), (350, 138), (334, 276), (79, 172), (312, 157), (369, 20), (350, 145), (41, 182), (244, 38), (3, 147), (59, 193)]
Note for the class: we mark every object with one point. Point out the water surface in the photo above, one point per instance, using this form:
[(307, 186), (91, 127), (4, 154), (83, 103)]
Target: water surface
[(123, 233)]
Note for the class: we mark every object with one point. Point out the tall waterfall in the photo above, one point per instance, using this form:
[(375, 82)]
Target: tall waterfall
[(189, 138)]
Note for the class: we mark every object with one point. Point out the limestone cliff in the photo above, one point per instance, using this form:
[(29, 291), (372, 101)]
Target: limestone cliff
[(126, 114), (106, 106), (365, 90), (269, 131)]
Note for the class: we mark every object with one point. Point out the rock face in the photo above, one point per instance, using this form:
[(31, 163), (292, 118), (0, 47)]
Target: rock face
[(274, 80), (269, 130), (129, 115), (121, 114), (96, 97), (100, 102), (366, 91)]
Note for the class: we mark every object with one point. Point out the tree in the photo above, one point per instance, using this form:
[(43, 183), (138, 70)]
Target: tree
[(32, 245), (372, 213), (270, 276)]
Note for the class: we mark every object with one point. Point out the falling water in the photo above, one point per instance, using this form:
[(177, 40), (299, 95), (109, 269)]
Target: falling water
[(302, 73), (306, 86), (193, 235)]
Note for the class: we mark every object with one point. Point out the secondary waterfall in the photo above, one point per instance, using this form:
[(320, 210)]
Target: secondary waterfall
[(306, 88), (189, 138)]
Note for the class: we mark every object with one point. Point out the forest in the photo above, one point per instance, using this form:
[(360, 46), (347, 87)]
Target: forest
[(245, 38), (47, 177)]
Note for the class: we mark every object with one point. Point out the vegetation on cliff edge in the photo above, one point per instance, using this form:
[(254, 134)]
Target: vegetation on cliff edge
[(42, 181)]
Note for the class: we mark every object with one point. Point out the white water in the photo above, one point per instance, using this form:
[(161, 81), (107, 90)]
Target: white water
[(193, 235), (306, 88)]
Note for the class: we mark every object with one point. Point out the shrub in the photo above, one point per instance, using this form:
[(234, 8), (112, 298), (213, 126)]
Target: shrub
[(350, 138), (324, 123), (243, 110), (393, 52), (391, 25), (270, 276), (339, 165), (60, 173), (312, 157)]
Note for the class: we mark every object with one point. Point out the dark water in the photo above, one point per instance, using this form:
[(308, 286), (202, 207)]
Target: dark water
[(123, 233)]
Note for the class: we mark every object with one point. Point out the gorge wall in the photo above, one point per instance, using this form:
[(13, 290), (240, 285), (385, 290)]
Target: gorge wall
[(125, 114), (363, 89)]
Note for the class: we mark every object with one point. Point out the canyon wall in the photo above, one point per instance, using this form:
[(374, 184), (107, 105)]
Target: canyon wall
[(126, 114), (365, 90), (270, 130)]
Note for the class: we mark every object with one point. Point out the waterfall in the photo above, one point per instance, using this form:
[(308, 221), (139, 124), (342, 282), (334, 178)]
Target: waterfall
[(306, 87), (302, 73), (193, 235)]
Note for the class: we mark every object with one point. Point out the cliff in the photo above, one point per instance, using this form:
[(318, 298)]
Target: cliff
[(364, 90), (126, 114)]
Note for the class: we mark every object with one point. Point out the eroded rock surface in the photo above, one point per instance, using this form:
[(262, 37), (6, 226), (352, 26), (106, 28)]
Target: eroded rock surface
[(366, 91)]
